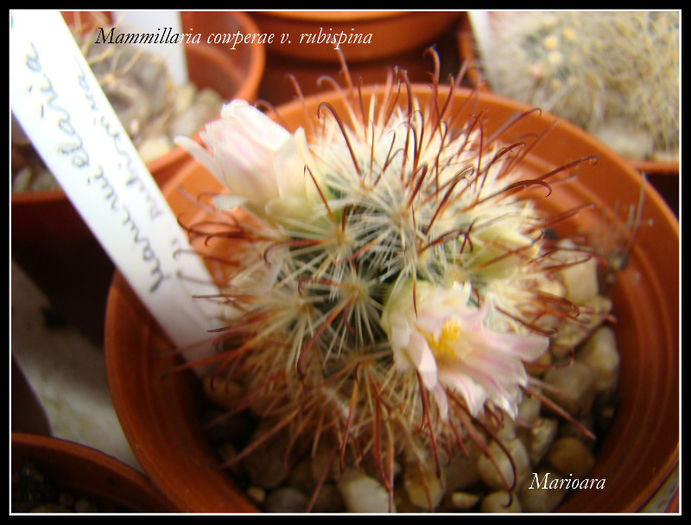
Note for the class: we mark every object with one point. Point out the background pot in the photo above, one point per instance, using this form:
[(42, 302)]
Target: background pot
[(84, 471), (468, 51), (397, 38), (160, 415), (387, 28), (51, 242)]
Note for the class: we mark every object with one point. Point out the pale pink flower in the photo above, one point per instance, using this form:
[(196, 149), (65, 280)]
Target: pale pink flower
[(259, 161), (446, 338)]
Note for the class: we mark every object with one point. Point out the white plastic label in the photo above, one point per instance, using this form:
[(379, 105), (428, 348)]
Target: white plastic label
[(479, 23), (59, 103)]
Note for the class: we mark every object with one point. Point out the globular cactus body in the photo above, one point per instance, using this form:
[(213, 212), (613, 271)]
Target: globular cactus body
[(387, 284), (615, 74)]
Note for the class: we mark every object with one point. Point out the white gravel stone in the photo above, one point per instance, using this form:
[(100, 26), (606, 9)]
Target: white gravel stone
[(535, 498), (540, 437), (580, 281), (363, 494), (256, 494), (569, 455), (576, 386), (300, 476), (529, 410), (500, 501), (572, 334), (488, 472), (85, 505), (507, 430), (286, 500), (461, 472), (155, 147), (584, 423), (265, 465), (463, 500), (424, 488), (600, 353)]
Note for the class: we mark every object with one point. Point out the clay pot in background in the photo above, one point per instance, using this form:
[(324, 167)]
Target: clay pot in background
[(160, 413), (249, 59), (393, 32), (51, 242), (112, 485), (659, 170), (398, 38)]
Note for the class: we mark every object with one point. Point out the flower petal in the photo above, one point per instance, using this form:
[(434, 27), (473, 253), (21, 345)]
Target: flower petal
[(202, 155), (419, 353), (469, 389), (446, 338), (251, 122), (442, 401), (227, 201)]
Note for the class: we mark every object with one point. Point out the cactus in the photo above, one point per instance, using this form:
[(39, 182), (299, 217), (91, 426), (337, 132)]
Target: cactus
[(385, 284), (615, 74)]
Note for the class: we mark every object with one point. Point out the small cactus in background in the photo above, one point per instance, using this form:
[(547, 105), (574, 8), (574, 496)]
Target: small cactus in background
[(386, 283), (615, 74), (151, 108)]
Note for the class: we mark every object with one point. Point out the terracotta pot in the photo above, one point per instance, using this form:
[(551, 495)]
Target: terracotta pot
[(247, 60), (468, 51), (87, 472), (387, 28), (160, 415), (370, 62)]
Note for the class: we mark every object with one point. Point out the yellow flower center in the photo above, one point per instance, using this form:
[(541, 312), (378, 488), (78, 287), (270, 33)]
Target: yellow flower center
[(445, 346)]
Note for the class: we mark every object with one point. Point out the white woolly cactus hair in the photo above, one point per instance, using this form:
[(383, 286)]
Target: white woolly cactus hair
[(616, 74), (389, 280)]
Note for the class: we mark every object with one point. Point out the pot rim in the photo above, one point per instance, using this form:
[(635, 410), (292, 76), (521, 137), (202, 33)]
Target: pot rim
[(89, 461), (384, 28)]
